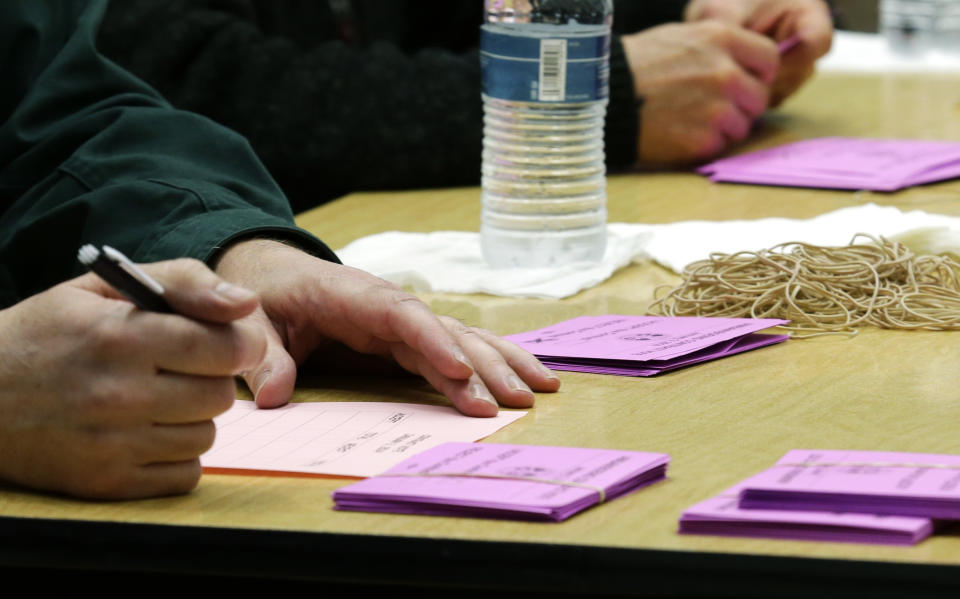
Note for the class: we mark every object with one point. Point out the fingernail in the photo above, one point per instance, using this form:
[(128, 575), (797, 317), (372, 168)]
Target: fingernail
[(260, 381), (461, 357), (548, 373), (478, 391), (232, 293), (514, 382)]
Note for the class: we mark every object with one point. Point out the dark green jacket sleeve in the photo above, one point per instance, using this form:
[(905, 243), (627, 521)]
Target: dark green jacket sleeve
[(90, 154), (397, 105)]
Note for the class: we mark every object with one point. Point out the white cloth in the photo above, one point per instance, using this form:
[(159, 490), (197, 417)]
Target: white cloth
[(450, 261)]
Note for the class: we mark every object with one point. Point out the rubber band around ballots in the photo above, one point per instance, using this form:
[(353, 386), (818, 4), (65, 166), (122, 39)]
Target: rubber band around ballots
[(564, 483), (871, 464)]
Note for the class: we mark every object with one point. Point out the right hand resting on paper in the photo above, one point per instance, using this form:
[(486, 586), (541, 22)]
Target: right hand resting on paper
[(703, 84), (100, 399)]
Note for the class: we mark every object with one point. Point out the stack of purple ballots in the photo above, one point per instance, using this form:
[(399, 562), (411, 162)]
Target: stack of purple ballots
[(643, 345), (722, 515), (872, 482), (843, 163), (857, 496), (524, 482)]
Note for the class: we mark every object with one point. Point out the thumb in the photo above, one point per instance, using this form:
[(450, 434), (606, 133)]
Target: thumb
[(195, 291), (272, 381)]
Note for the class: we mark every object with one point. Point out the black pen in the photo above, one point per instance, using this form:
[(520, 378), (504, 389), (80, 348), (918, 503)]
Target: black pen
[(125, 276)]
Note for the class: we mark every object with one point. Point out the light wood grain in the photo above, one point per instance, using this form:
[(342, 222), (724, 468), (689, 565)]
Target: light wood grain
[(720, 421)]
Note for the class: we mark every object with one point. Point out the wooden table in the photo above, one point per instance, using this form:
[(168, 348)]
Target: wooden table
[(720, 421)]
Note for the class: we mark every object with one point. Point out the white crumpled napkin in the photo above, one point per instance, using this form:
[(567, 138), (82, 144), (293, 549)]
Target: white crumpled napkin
[(450, 261)]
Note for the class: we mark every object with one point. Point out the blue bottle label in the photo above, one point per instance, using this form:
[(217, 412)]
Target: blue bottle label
[(554, 69)]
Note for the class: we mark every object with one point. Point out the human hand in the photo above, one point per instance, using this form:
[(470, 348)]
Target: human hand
[(702, 85), (311, 306), (808, 20), (102, 400)]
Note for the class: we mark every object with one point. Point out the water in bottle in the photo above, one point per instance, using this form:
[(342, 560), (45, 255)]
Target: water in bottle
[(545, 86)]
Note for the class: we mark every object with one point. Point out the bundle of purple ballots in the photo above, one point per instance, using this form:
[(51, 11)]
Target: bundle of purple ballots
[(643, 345), (829, 495), (521, 482), (843, 163)]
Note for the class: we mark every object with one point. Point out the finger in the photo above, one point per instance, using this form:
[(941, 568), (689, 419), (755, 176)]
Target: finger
[(537, 376), (163, 443), (751, 96), (173, 478), (732, 123), (178, 344), (470, 396), (134, 482), (397, 316), (721, 10), (500, 379), (272, 379), (756, 53), (814, 26), (182, 399)]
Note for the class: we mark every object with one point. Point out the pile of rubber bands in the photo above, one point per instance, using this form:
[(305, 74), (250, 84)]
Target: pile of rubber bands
[(823, 290)]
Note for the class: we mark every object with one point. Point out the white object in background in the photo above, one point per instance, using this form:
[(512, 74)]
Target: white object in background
[(450, 261), (854, 52)]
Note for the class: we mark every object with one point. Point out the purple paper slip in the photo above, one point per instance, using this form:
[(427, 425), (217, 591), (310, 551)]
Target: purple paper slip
[(907, 484), (643, 345), (844, 163), (527, 482), (720, 515)]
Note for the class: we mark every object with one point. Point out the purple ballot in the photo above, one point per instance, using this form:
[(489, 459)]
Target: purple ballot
[(643, 345), (843, 163), (875, 482), (526, 482), (721, 515)]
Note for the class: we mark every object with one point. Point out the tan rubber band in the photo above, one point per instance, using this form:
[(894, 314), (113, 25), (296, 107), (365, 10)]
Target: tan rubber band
[(564, 483)]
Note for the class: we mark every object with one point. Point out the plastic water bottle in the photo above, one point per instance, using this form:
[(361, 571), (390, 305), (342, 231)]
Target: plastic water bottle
[(545, 86), (918, 27)]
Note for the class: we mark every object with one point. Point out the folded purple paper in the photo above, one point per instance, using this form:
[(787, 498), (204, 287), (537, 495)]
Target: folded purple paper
[(843, 163), (721, 515), (643, 345), (527, 482), (875, 482)]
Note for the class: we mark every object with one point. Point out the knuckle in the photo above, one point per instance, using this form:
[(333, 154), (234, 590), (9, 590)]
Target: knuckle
[(106, 397), (113, 336)]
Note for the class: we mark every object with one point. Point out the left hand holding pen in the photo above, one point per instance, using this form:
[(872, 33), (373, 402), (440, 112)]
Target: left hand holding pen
[(808, 20), (309, 304)]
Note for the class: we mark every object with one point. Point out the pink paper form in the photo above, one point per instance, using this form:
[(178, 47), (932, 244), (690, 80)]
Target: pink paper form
[(339, 438)]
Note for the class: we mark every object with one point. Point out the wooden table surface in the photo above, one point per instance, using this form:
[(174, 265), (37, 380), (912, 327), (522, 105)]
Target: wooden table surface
[(720, 421)]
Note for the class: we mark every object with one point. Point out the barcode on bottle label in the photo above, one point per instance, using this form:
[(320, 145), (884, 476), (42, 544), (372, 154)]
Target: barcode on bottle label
[(553, 70)]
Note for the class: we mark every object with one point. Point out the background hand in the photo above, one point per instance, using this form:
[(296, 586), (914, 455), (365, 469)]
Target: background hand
[(779, 20), (702, 85), (311, 306), (100, 399)]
